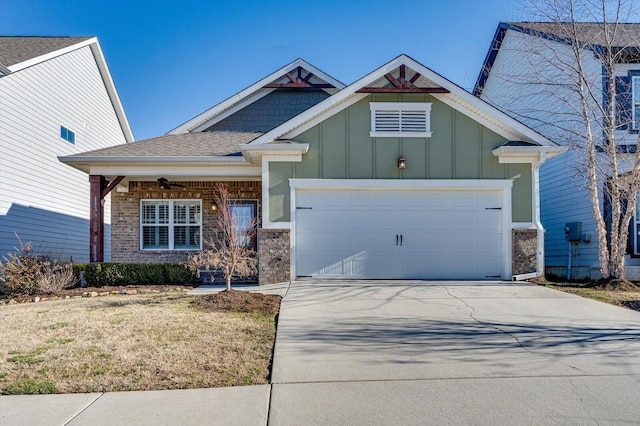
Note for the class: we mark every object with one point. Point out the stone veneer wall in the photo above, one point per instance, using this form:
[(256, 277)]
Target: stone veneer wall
[(524, 248), (125, 215), (274, 255)]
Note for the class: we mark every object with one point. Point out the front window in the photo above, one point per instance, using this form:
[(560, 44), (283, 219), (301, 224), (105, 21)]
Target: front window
[(170, 224), (243, 216)]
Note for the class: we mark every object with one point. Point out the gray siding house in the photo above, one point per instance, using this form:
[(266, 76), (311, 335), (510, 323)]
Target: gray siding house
[(57, 98), (401, 174)]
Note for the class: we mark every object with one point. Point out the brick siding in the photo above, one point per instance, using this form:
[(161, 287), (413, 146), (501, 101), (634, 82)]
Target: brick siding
[(125, 216), (274, 252), (524, 248)]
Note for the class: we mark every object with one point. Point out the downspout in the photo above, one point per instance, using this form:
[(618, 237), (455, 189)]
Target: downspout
[(536, 222)]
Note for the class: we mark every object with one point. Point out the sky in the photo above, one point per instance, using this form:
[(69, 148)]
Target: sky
[(173, 59)]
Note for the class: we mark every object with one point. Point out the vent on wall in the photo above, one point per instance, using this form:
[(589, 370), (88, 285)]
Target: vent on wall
[(400, 119)]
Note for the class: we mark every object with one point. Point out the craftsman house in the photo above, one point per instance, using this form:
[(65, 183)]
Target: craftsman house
[(516, 77), (57, 98), (401, 174)]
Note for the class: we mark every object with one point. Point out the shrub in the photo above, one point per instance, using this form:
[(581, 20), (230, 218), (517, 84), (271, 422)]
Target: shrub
[(119, 274), (54, 277), (19, 272)]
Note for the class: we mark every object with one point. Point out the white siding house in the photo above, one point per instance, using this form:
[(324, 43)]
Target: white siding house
[(517, 78), (48, 87)]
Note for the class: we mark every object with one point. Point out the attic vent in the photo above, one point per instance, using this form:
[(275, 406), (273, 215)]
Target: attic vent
[(400, 119)]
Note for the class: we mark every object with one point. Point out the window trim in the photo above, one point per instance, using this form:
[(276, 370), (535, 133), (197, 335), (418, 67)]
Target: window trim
[(400, 107), (68, 130), (170, 225), (254, 203)]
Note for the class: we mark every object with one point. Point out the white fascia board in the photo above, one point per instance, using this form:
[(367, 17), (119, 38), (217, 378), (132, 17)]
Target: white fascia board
[(406, 184), (255, 153), (103, 67), (527, 154), (4, 70), (240, 96)]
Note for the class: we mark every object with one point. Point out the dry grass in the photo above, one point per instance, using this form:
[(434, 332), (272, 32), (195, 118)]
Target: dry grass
[(135, 342), (627, 298)]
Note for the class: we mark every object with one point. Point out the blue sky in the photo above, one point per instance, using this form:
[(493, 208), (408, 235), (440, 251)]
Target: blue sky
[(173, 59)]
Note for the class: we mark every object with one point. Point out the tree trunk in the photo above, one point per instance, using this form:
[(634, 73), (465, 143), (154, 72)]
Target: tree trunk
[(228, 283)]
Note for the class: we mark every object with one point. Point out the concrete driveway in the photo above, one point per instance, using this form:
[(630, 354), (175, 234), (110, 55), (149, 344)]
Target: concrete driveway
[(416, 352)]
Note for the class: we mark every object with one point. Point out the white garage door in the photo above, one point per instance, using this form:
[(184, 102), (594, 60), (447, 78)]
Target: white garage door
[(399, 234)]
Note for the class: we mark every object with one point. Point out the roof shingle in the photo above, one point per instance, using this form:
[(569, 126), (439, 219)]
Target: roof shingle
[(14, 50), (624, 34), (180, 145)]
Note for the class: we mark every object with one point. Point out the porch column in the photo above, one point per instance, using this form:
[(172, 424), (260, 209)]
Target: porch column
[(96, 219)]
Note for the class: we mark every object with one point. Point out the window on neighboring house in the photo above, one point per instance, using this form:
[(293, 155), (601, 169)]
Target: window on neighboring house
[(400, 119), (170, 224), (635, 84), (243, 214), (68, 135)]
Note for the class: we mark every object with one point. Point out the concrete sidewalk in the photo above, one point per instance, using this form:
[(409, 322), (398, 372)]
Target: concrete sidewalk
[(244, 405)]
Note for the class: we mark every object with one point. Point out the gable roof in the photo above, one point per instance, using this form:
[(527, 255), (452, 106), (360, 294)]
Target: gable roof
[(14, 50), (250, 94), (624, 36), (18, 53), (457, 98)]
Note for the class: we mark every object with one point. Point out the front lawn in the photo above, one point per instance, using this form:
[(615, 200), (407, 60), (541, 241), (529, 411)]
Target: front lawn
[(131, 342), (628, 297)]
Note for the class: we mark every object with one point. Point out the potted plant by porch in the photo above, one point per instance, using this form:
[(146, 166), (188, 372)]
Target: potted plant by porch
[(229, 249)]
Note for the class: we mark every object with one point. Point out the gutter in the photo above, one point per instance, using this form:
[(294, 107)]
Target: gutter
[(536, 221)]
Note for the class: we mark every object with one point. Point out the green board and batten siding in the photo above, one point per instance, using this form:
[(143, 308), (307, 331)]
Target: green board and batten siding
[(340, 148)]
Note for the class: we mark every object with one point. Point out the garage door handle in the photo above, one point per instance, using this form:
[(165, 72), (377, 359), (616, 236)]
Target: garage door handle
[(400, 239), (396, 239)]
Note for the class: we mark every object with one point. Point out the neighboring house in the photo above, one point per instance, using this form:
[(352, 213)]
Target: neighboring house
[(56, 98), (401, 174), (517, 79)]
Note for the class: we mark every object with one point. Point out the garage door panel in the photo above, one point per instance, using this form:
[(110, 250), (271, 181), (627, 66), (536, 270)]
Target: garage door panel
[(445, 234)]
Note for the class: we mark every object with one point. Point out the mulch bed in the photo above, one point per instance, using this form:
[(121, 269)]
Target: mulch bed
[(239, 301)]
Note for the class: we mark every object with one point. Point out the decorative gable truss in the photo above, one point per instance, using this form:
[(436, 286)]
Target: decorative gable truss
[(402, 85), (300, 82)]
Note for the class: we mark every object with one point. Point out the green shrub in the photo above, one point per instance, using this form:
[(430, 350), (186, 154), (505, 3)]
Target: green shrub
[(119, 274)]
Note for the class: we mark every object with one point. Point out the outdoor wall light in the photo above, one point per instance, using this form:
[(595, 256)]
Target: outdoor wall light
[(214, 207), (402, 162)]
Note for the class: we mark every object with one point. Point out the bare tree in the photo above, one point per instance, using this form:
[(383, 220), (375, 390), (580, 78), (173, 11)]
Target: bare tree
[(573, 64), (229, 249)]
